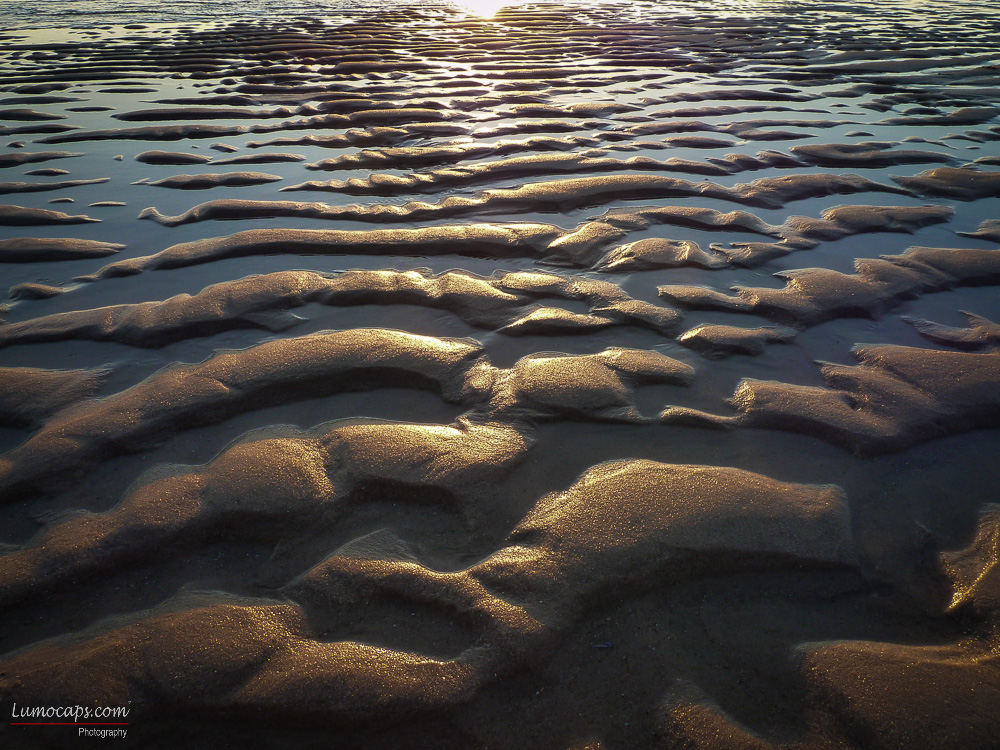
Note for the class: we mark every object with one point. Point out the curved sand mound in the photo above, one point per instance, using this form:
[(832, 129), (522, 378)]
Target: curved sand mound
[(898, 396), (570, 553)]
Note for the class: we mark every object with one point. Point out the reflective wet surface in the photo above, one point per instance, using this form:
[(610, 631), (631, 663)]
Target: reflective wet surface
[(590, 375)]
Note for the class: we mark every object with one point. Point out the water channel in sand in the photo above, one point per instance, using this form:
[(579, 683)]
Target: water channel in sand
[(556, 375)]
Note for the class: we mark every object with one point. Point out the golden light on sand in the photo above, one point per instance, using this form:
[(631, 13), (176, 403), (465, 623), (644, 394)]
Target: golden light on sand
[(592, 362), (482, 8)]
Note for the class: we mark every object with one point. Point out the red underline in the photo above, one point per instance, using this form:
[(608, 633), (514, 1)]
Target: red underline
[(69, 724)]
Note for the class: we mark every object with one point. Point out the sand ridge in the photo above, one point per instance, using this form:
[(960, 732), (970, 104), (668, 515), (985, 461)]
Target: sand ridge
[(633, 382)]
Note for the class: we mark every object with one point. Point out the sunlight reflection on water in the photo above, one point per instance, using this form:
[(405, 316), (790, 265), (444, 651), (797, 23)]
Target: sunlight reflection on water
[(482, 8), (88, 13)]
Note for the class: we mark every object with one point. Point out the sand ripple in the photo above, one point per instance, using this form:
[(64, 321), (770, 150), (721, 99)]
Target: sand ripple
[(550, 424)]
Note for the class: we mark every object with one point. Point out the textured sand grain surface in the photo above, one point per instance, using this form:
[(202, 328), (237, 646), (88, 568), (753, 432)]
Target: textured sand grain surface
[(579, 374)]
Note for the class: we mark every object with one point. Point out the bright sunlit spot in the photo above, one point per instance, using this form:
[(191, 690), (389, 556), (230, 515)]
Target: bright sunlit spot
[(482, 8)]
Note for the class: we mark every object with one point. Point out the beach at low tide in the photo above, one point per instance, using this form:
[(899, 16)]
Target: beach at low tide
[(556, 375)]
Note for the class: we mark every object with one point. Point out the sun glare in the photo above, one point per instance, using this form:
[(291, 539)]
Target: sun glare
[(482, 8)]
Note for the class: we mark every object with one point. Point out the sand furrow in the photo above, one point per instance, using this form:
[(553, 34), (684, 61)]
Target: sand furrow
[(555, 195), (570, 553), (500, 302), (815, 295), (183, 396), (897, 397), (265, 531)]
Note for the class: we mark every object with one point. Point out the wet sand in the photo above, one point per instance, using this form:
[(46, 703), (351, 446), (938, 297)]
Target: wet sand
[(586, 375)]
